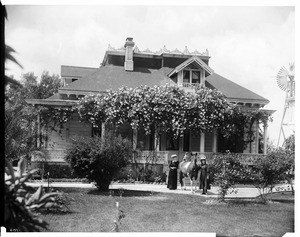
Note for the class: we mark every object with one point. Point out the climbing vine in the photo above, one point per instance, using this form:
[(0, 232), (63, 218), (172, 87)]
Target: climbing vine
[(55, 117), (168, 109)]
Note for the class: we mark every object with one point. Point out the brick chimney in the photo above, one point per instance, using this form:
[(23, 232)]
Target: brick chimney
[(129, 44)]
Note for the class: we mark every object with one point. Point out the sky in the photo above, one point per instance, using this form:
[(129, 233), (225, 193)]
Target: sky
[(247, 44)]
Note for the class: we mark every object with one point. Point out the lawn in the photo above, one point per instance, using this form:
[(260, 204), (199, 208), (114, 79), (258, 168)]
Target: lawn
[(94, 211)]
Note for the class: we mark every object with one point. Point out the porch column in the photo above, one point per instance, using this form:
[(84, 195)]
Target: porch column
[(156, 140), (103, 130), (265, 136), (215, 140), (134, 138), (39, 138), (180, 78), (257, 137), (202, 78), (202, 142)]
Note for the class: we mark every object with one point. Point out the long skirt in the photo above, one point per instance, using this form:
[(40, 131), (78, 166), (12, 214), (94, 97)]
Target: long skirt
[(204, 183), (172, 179)]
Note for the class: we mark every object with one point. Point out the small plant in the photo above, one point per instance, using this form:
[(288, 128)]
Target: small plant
[(20, 204), (111, 193), (121, 191), (62, 204)]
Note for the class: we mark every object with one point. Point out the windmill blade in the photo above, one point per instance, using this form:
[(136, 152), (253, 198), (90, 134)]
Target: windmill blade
[(282, 78)]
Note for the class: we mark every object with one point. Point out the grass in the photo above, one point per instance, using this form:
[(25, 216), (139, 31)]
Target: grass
[(95, 211)]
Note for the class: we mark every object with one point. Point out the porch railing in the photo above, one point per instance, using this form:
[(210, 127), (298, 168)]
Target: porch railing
[(163, 157), (52, 155), (152, 157), (190, 85)]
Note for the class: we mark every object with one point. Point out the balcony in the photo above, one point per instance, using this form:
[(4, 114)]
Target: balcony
[(190, 85)]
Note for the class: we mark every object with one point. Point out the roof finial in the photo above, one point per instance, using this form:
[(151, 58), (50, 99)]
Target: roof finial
[(186, 51)]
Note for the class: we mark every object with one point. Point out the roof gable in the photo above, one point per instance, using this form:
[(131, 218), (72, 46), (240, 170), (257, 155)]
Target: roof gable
[(189, 61)]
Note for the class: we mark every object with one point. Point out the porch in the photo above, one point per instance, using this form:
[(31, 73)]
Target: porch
[(150, 157), (164, 157)]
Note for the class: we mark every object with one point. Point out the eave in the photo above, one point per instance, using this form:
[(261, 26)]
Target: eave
[(248, 101), (54, 102)]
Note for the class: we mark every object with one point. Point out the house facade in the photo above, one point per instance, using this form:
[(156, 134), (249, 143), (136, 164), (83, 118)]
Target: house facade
[(131, 67)]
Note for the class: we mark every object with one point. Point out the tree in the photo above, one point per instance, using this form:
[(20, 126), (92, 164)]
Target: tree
[(289, 147), (289, 144), (20, 118)]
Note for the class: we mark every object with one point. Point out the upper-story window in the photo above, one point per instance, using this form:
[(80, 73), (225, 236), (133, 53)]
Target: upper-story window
[(191, 76), (195, 76), (186, 76)]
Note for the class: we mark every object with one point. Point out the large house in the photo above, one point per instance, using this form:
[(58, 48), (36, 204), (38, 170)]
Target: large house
[(128, 66)]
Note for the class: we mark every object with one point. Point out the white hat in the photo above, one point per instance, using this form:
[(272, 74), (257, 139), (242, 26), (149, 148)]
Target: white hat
[(173, 156), (203, 157)]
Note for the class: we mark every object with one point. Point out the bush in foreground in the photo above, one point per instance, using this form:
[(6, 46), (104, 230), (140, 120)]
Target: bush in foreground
[(97, 159)]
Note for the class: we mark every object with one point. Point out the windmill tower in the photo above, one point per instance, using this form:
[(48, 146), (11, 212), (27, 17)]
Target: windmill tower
[(286, 82)]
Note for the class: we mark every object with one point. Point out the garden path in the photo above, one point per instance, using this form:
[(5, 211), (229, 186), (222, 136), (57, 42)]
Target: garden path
[(241, 192)]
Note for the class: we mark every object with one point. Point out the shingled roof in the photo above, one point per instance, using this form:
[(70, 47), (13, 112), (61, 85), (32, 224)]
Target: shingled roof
[(74, 71), (232, 90), (113, 77)]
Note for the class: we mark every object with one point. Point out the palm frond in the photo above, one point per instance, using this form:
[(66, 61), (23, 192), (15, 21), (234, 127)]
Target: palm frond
[(12, 81), (8, 55)]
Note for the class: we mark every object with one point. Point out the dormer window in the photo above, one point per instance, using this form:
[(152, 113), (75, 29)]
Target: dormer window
[(196, 77), (186, 76), (191, 76)]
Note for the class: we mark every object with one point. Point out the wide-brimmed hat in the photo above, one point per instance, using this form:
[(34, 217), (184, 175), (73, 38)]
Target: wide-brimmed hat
[(173, 156), (202, 157)]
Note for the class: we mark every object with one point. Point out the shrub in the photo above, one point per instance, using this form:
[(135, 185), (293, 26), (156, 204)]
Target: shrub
[(226, 169), (271, 169), (98, 159), (56, 170), (20, 203)]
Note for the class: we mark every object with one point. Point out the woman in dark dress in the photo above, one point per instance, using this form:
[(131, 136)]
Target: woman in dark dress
[(204, 175), (172, 178)]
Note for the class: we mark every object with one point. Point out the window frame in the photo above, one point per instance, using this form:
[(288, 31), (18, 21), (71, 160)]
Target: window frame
[(191, 76)]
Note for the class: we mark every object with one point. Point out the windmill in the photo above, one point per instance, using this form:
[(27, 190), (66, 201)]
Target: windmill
[(286, 82)]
